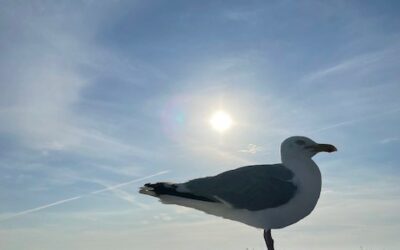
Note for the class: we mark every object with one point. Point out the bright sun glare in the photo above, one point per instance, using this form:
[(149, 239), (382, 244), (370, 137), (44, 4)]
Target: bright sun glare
[(221, 121)]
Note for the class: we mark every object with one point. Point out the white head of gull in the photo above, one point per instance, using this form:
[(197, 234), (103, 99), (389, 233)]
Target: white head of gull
[(263, 196)]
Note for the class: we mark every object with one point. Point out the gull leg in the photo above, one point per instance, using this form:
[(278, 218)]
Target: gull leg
[(268, 239)]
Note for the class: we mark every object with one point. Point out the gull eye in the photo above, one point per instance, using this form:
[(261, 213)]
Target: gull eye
[(300, 142)]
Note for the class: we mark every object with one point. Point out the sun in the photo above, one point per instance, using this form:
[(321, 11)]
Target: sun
[(221, 121)]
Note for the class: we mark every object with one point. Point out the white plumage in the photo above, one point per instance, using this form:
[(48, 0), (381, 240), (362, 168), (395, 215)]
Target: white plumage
[(262, 196)]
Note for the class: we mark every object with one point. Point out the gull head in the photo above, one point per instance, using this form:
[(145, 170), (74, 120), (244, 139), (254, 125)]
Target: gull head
[(303, 146)]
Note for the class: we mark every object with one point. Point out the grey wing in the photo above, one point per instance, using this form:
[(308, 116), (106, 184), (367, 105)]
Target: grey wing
[(253, 187)]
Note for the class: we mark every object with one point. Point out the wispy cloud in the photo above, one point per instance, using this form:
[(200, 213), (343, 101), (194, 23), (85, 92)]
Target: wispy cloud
[(360, 62), (251, 149), (354, 121), (390, 140), (55, 67)]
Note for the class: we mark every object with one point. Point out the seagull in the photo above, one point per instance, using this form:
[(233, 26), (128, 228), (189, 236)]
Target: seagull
[(262, 196)]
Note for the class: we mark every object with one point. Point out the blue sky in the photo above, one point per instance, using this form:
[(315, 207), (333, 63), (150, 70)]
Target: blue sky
[(97, 93)]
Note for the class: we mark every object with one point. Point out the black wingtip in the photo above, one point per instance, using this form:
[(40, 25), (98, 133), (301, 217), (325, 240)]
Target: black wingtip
[(163, 188)]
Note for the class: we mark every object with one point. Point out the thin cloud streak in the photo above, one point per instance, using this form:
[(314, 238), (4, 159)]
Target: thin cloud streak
[(352, 63), (29, 211), (129, 182), (350, 122)]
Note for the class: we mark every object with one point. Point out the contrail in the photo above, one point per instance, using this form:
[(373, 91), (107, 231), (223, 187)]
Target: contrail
[(32, 210), (40, 208), (128, 182)]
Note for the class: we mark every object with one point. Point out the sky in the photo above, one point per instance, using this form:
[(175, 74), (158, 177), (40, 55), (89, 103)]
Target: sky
[(99, 97)]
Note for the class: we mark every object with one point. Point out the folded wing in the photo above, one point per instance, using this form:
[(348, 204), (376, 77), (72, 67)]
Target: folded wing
[(252, 187)]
